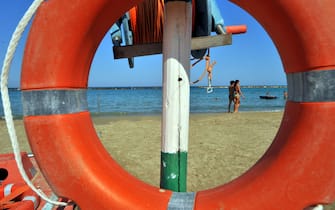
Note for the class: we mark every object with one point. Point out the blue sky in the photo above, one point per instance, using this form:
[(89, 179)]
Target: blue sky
[(252, 58)]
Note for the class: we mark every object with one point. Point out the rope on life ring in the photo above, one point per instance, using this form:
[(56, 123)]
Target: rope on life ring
[(297, 170), (6, 101)]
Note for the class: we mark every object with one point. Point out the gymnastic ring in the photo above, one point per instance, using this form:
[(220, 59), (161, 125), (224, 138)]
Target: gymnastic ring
[(296, 171)]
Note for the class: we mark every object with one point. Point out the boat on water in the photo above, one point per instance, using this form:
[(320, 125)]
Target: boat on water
[(268, 97)]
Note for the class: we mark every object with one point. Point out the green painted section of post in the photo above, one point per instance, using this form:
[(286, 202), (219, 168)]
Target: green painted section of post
[(182, 171), (174, 171)]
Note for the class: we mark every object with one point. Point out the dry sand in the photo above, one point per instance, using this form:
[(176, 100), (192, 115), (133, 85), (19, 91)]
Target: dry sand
[(221, 146)]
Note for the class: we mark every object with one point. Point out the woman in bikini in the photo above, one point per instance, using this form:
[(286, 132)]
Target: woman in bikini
[(237, 95)]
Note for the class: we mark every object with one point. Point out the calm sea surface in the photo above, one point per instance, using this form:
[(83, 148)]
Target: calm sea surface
[(137, 101)]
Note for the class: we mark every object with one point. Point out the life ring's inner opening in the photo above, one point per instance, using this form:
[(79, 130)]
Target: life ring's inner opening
[(222, 158)]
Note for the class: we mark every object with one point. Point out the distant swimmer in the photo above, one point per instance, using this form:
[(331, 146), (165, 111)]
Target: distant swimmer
[(285, 95)]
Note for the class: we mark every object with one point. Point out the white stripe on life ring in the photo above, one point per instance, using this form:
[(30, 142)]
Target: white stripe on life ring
[(8, 189)]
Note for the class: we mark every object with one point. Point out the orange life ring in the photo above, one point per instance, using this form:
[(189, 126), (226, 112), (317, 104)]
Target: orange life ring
[(298, 169), (9, 173), (18, 196)]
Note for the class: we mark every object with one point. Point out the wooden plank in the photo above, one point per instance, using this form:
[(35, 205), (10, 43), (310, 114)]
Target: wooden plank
[(203, 42), (131, 51)]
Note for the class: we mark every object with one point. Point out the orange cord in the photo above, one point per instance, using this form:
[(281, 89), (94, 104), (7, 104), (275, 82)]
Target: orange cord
[(147, 21)]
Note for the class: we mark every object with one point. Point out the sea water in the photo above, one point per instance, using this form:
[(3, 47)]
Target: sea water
[(148, 100)]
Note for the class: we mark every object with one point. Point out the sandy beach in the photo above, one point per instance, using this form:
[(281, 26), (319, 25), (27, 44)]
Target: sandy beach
[(221, 146)]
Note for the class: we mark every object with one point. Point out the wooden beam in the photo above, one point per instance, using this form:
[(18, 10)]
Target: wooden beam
[(197, 43), (130, 51), (204, 42)]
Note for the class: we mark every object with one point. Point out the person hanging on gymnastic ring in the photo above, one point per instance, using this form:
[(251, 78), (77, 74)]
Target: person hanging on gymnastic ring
[(209, 69)]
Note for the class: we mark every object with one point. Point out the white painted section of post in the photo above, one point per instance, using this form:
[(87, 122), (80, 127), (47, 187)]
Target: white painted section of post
[(176, 85)]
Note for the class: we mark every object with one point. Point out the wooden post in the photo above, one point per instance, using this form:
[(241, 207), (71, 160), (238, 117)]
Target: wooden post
[(176, 94)]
